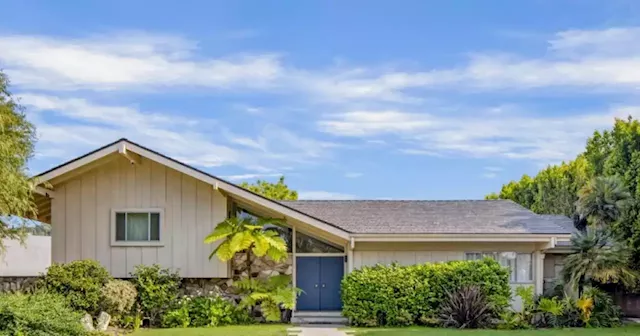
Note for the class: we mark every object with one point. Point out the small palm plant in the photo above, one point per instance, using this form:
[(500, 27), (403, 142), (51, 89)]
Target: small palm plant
[(550, 310), (596, 257), (249, 235), (602, 200)]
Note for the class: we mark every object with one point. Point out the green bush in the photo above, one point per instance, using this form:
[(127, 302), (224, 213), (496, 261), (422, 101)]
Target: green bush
[(205, 311), (605, 312), (80, 282), (391, 295), (158, 289), (38, 314), (118, 297)]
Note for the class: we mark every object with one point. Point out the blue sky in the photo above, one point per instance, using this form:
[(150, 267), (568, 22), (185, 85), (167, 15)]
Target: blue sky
[(347, 99)]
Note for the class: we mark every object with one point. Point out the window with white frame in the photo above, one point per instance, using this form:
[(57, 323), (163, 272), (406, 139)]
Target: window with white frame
[(136, 226), (520, 264)]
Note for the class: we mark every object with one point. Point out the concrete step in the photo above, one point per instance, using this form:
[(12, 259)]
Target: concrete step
[(321, 317)]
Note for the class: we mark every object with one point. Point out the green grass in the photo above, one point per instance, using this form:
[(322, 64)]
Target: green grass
[(253, 330), (623, 331)]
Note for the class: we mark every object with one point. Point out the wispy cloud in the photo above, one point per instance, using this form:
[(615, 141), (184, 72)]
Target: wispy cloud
[(516, 135), (243, 177), (491, 172), (82, 125), (353, 175), (324, 195), (127, 61)]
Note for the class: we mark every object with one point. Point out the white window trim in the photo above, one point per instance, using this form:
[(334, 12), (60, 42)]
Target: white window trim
[(516, 282), (157, 243)]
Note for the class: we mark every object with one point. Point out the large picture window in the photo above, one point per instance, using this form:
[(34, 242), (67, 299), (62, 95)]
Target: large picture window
[(520, 264), (136, 227)]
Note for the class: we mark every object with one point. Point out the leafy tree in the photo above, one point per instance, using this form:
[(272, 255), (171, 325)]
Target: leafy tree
[(276, 191), (270, 295), (597, 257), (492, 196), (249, 235), (17, 137), (602, 200)]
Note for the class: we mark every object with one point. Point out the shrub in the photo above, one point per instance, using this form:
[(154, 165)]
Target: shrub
[(118, 297), (38, 314), (549, 311), (157, 290), (383, 295), (80, 282), (468, 308), (605, 313), (271, 295), (205, 311)]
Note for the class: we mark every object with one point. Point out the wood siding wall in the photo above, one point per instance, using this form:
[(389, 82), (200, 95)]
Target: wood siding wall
[(81, 218)]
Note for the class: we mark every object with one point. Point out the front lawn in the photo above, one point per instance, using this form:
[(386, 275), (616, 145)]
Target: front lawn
[(627, 330), (253, 330)]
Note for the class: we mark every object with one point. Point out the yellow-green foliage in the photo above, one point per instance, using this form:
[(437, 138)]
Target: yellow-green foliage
[(404, 295)]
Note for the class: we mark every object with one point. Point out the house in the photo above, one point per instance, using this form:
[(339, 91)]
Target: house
[(125, 205)]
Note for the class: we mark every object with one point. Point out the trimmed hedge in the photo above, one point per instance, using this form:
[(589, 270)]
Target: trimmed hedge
[(405, 295)]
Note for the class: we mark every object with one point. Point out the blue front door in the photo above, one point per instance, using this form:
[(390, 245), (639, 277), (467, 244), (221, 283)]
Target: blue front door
[(319, 278)]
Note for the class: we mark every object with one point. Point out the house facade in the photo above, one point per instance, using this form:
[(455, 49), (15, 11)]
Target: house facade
[(126, 205)]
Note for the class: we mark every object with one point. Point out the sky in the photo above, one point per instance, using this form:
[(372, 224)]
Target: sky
[(346, 99)]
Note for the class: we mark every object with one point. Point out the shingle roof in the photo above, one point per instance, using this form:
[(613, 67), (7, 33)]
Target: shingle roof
[(453, 217)]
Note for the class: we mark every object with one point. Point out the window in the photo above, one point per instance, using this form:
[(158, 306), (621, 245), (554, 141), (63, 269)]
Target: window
[(136, 227), (520, 264)]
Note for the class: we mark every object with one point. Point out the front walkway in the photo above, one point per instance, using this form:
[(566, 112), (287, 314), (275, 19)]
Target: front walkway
[(317, 330)]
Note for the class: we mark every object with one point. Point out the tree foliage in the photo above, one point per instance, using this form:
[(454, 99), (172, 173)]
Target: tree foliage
[(602, 201), (276, 191), (554, 190), (597, 257), (17, 137), (250, 235)]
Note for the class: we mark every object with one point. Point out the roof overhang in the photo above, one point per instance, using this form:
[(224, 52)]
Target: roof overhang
[(549, 240), (132, 151)]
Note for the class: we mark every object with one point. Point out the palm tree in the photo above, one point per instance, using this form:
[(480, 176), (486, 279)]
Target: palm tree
[(249, 235), (602, 200), (596, 257)]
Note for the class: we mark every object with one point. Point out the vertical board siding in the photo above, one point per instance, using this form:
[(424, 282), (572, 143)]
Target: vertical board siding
[(58, 236), (81, 218), (371, 258)]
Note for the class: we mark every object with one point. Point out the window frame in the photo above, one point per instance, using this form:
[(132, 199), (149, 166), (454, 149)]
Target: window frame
[(515, 265), (148, 243)]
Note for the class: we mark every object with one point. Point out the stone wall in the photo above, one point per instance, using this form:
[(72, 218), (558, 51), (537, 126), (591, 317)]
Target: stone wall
[(15, 284), (262, 268)]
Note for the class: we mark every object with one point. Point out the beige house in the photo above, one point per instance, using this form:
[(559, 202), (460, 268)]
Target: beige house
[(125, 205)]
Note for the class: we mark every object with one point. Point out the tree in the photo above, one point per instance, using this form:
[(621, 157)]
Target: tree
[(249, 235), (17, 137), (276, 191), (253, 235), (492, 196), (597, 257), (602, 200)]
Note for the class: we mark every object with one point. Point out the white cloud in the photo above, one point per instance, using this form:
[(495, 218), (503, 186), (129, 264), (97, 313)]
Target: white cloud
[(493, 169), (480, 134), (243, 177), (126, 61), (353, 175), (324, 195), (81, 125)]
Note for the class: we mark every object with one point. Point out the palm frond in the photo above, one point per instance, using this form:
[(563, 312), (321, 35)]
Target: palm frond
[(222, 230)]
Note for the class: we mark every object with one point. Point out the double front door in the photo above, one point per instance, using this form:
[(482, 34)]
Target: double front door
[(319, 278)]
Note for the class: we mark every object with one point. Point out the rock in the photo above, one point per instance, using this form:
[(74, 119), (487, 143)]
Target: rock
[(87, 322), (103, 321)]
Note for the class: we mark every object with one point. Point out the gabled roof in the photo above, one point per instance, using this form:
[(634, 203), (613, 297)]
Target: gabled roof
[(433, 217), (125, 146)]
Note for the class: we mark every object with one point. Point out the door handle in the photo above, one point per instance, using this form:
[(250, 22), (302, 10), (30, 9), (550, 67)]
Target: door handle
[(323, 285), (316, 285)]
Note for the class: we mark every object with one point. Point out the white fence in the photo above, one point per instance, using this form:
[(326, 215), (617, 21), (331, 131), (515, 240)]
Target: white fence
[(25, 261)]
